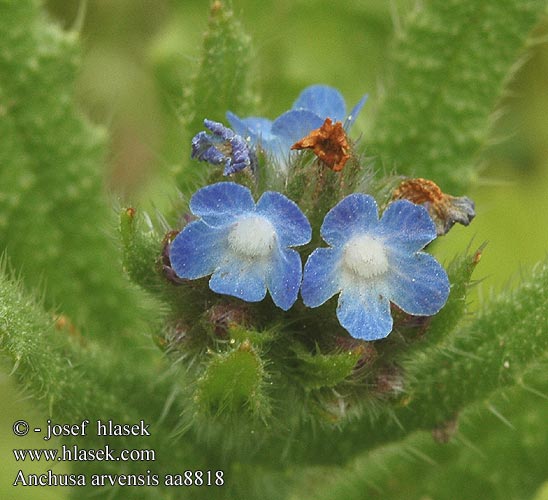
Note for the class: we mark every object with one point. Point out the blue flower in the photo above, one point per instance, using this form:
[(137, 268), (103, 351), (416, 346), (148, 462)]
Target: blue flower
[(309, 111), (223, 147), (243, 245), (372, 263)]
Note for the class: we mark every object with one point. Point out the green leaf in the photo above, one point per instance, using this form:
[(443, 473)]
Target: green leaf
[(232, 382), (487, 457), (141, 250), (44, 348), (491, 352), (449, 67), (54, 217), (73, 379)]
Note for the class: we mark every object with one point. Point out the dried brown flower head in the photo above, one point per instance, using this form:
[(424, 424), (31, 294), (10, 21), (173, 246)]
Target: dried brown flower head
[(329, 144)]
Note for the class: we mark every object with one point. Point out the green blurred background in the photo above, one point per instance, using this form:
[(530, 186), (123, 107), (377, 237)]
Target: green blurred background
[(139, 54)]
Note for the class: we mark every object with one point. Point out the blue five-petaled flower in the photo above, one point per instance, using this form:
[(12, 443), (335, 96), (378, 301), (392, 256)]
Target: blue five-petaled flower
[(372, 263), (223, 147), (243, 245), (309, 111)]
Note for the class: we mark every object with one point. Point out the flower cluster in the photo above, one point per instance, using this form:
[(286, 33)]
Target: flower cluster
[(249, 248)]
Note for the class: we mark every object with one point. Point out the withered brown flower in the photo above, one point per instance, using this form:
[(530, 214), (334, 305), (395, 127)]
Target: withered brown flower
[(329, 144)]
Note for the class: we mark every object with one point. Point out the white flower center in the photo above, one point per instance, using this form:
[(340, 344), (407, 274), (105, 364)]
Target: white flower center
[(365, 257), (252, 236)]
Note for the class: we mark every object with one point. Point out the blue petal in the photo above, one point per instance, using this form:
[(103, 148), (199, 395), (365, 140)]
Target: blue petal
[(364, 313), (321, 279), (219, 204), (355, 214), (242, 278), (259, 131), (292, 126), (324, 101), (292, 226), (195, 251), (256, 128), (284, 277), (418, 284), (351, 118), (406, 226)]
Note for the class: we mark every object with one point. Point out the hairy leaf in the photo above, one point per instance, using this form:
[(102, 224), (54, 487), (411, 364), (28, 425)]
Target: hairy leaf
[(54, 216), (450, 64)]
